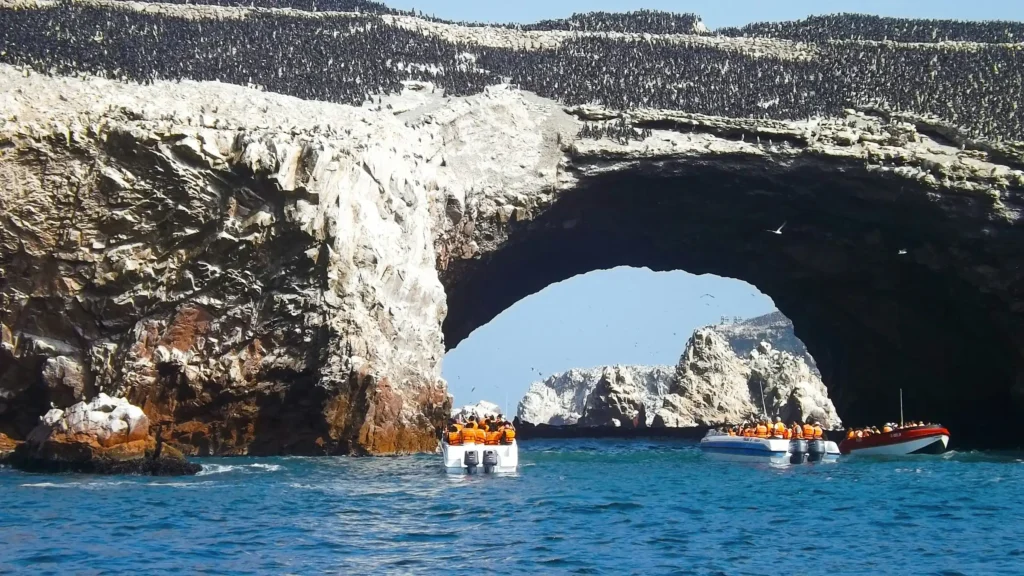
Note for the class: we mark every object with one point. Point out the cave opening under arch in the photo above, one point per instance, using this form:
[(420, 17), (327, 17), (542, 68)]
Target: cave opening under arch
[(883, 280)]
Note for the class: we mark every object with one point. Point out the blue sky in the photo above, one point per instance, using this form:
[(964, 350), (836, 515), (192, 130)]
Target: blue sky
[(629, 316), (717, 13)]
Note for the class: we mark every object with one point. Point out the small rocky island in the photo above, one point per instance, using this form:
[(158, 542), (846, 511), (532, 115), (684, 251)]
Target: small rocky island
[(103, 436), (717, 380)]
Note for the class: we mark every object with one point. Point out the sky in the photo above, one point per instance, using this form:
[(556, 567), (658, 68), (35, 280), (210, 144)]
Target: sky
[(618, 316), (626, 315)]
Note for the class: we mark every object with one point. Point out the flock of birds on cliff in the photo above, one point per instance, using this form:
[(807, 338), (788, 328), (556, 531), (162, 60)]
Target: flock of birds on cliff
[(350, 58), (620, 131)]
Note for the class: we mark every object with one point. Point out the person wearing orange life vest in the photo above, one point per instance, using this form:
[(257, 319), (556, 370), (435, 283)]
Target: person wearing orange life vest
[(778, 429), (762, 430), (851, 434), (819, 432), (886, 429), (797, 431), (508, 432), (808, 430)]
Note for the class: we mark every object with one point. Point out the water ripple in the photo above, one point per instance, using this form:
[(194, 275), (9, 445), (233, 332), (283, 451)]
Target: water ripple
[(584, 507)]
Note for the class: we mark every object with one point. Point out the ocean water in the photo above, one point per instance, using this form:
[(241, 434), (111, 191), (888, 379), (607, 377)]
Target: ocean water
[(574, 507)]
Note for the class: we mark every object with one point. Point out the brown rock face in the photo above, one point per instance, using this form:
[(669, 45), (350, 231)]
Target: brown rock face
[(263, 291)]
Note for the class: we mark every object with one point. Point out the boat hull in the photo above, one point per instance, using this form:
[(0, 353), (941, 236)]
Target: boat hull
[(924, 440), (764, 450), (454, 458)]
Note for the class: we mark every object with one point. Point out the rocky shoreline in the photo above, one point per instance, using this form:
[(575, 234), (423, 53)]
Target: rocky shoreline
[(103, 436)]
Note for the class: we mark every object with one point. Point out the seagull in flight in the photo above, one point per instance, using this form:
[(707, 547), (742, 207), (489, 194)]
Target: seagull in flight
[(902, 252), (707, 296), (777, 231), (473, 389)]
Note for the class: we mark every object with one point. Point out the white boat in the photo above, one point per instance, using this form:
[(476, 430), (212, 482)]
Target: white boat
[(486, 458), (778, 451)]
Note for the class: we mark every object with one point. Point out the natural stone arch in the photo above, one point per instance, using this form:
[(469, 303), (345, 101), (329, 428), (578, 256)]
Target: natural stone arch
[(891, 281), (275, 282)]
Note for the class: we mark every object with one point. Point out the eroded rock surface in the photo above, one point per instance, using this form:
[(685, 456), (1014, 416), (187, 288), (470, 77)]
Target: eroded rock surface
[(478, 411), (616, 401), (773, 328), (265, 275), (562, 398), (105, 435), (714, 386)]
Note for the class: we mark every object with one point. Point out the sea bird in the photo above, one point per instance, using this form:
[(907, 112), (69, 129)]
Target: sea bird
[(777, 231)]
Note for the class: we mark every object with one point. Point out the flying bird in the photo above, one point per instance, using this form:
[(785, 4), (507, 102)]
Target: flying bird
[(777, 231), (902, 252), (707, 296)]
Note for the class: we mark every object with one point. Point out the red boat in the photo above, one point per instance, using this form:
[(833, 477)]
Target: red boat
[(931, 439)]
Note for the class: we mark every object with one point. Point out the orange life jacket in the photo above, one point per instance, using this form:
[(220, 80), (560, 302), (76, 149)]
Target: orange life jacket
[(493, 438), (808, 431), (508, 435), (762, 431), (468, 435), (850, 434), (886, 429), (818, 432), (798, 432), (780, 430), (455, 438), (731, 432)]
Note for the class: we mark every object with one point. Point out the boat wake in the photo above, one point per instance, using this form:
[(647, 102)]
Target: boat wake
[(211, 469)]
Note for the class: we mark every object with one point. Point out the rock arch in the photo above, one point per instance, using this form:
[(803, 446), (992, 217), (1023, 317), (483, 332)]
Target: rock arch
[(896, 263), (282, 276)]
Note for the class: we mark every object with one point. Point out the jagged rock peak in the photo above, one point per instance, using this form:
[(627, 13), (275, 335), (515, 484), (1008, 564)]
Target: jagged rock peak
[(616, 400), (562, 398), (481, 409), (774, 328), (714, 386)]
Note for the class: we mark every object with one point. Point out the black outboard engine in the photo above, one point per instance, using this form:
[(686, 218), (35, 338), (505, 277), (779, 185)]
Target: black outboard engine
[(797, 451), (471, 460), (490, 461), (815, 450)]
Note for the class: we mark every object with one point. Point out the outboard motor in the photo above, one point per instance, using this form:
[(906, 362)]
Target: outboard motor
[(471, 460), (797, 451), (815, 450), (490, 461)]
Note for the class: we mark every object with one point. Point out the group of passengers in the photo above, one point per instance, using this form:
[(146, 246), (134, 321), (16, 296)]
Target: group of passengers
[(488, 430), (776, 429), (888, 427)]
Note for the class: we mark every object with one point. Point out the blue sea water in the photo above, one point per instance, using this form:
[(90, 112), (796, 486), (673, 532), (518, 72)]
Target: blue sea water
[(575, 507)]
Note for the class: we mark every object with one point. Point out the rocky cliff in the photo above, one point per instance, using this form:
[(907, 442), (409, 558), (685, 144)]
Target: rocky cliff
[(265, 274), (773, 328), (713, 385), (563, 398)]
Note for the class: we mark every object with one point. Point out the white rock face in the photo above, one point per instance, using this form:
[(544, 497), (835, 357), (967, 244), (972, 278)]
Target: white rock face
[(103, 419), (481, 409), (715, 386), (711, 384), (773, 328), (616, 401), (562, 398)]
